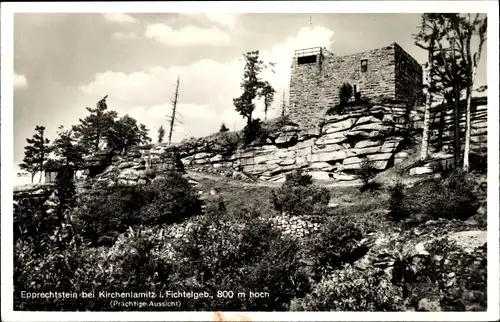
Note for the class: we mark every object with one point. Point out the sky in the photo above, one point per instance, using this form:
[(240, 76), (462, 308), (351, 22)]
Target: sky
[(66, 62)]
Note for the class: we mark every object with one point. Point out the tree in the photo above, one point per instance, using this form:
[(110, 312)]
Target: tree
[(448, 68), (36, 153), (65, 189), (161, 134), (426, 39), (223, 128), (251, 84), (267, 92), (70, 153), (125, 133), (93, 130), (466, 29)]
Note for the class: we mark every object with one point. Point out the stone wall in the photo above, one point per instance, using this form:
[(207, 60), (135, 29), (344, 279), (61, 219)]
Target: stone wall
[(314, 87), (409, 77)]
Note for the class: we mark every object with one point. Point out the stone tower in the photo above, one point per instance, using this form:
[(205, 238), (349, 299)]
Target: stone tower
[(318, 74)]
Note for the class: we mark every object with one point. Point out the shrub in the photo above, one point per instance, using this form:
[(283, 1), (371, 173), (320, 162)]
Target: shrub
[(300, 200), (223, 128), (345, 93), (336, 244), (298, 178), (131, 265), (451, 198), (367, 171), (338, 109), (105, 214), (35, 223), (171, 199), (254, 132), (233, 258), (397, 210), (227, 142), (351, 290)]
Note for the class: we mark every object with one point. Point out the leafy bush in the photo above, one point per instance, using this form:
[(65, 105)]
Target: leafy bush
[(351, 290), (254, 132), (228, 257), (298, 178), (451, 198), (131, 265), (227, 142), (170, 200), (367, 171), (104, 215), (300, 200), (35, 223), (336, 244), (345, 93), (397, 209)]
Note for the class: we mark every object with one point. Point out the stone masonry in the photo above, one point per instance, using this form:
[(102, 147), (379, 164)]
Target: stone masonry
[(317, 76)]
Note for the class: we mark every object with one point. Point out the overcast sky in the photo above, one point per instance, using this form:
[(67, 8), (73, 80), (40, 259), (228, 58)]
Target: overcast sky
[(66, 62)]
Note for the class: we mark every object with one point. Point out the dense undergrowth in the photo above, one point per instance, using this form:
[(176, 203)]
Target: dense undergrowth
[(115, 241)]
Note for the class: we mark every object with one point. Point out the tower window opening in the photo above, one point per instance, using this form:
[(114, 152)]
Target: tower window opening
[(364, 65), (311, 59)]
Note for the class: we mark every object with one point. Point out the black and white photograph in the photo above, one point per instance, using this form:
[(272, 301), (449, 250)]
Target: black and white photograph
[(237, 162)]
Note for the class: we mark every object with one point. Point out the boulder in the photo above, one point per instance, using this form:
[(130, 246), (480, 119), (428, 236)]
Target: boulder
[(364, 151), (286, 138), (129, 174), (332, 138), (339, 126), (421, 170), (344, 177), (125, 165), (328, 156), (367, 119), (320, 175), (373, 127), (469, 240), (321, 166), (367, 143), (266, 158), (286, 162), (379, 156), (326, 148)]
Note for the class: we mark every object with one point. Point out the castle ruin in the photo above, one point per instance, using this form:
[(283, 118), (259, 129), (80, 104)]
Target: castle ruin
[(318, 74)]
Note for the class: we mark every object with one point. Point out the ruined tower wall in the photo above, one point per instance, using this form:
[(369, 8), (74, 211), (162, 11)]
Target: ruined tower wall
[(314, 87), (409, 77)]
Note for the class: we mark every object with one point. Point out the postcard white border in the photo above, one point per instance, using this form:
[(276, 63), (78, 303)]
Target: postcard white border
[(7, 72)]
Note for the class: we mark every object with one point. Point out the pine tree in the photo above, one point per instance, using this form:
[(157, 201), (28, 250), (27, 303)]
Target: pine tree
[(36, 153), (251, 85), (93, 130), (223, 128), (125, 133), (161, 134), (65, 189), (268, 93), (70, 153)]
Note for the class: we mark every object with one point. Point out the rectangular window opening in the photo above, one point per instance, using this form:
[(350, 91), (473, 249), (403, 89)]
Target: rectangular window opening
[(364, 65), (307, 59)]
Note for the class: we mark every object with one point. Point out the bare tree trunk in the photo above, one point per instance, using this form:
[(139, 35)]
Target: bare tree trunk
[(467, 129), (424, 151), (476, 59), (457, 110)]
